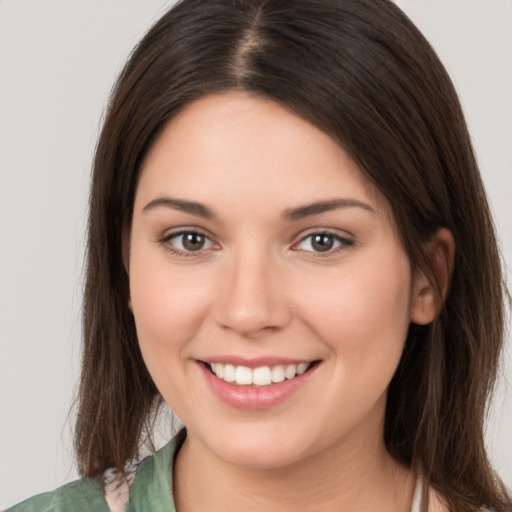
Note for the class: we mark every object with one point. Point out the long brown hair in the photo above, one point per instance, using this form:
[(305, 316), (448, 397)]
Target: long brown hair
[(360, 71)]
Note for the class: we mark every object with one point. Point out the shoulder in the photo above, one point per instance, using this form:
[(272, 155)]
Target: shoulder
[(150, 488), (81, 495), (438, 503)]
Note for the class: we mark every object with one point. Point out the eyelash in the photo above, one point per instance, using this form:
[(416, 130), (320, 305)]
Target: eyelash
[(343, 243), (166, 239)]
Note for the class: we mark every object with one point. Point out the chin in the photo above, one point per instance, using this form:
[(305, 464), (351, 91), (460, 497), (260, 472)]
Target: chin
[(258, 457), (257, 447)]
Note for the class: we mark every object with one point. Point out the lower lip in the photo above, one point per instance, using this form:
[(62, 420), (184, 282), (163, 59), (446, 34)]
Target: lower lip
[(253, 397)]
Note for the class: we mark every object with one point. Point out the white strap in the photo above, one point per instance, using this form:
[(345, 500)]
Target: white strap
[(117, 489), (416, 499)]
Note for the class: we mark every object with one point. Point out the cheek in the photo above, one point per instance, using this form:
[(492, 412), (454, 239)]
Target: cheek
[(169, 308), (168, 304), (363, 312)]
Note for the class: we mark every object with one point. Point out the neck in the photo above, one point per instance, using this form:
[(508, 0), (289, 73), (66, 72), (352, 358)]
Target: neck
[(363, 477)]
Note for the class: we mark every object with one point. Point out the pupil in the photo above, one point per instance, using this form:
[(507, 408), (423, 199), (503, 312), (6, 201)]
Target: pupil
[(322, 243), (193, 241)]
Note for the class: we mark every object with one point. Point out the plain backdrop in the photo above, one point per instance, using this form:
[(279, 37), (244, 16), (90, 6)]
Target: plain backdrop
[(58, 60)]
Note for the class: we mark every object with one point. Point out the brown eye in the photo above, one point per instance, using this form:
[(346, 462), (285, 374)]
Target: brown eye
[(193, 241), (323, 243), (188, 242)]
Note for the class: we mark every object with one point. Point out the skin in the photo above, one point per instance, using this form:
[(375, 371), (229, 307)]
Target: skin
[(258, 288)]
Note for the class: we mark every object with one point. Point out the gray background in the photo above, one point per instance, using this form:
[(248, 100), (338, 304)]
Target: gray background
[(58, 60)]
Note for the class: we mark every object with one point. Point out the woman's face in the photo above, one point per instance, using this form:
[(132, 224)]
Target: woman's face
[(259, 253)]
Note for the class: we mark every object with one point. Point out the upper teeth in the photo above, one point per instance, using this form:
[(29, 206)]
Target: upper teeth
[(262, 376)]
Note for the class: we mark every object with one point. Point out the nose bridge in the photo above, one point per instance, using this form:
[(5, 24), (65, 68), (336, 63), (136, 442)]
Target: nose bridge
[(253, 300)]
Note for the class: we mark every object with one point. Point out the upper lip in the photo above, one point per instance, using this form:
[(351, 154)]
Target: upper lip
[(255, 362)]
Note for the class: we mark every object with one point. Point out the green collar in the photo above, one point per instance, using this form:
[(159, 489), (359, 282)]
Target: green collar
[(152, 487)]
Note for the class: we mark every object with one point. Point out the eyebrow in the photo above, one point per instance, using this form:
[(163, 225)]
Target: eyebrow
[(319, 207), (290, 214), (191, 207)]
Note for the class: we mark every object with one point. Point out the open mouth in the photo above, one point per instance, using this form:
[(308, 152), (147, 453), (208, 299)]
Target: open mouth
[(259, 377)]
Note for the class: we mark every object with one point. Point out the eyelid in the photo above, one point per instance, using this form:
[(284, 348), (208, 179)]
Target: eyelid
[(169, 233), (165, 239), (344, 242)]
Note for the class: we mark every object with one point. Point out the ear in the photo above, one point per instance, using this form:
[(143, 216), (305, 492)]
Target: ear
[(429, 291)]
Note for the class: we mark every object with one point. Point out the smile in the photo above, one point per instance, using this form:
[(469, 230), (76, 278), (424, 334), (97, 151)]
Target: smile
[(259, 387), (261, 376)]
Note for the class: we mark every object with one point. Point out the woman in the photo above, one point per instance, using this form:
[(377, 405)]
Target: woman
[(286, 216)]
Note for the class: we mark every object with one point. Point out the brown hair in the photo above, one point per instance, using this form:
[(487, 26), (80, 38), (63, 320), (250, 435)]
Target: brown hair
[(363, 73)]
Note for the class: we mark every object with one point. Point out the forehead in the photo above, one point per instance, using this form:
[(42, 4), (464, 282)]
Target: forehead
[(229, 146)]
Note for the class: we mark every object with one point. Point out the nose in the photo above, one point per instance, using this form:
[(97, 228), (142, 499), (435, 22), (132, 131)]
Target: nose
[(252, 300)]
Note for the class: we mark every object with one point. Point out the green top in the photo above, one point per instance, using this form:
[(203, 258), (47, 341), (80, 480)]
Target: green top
[(151, 489)]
